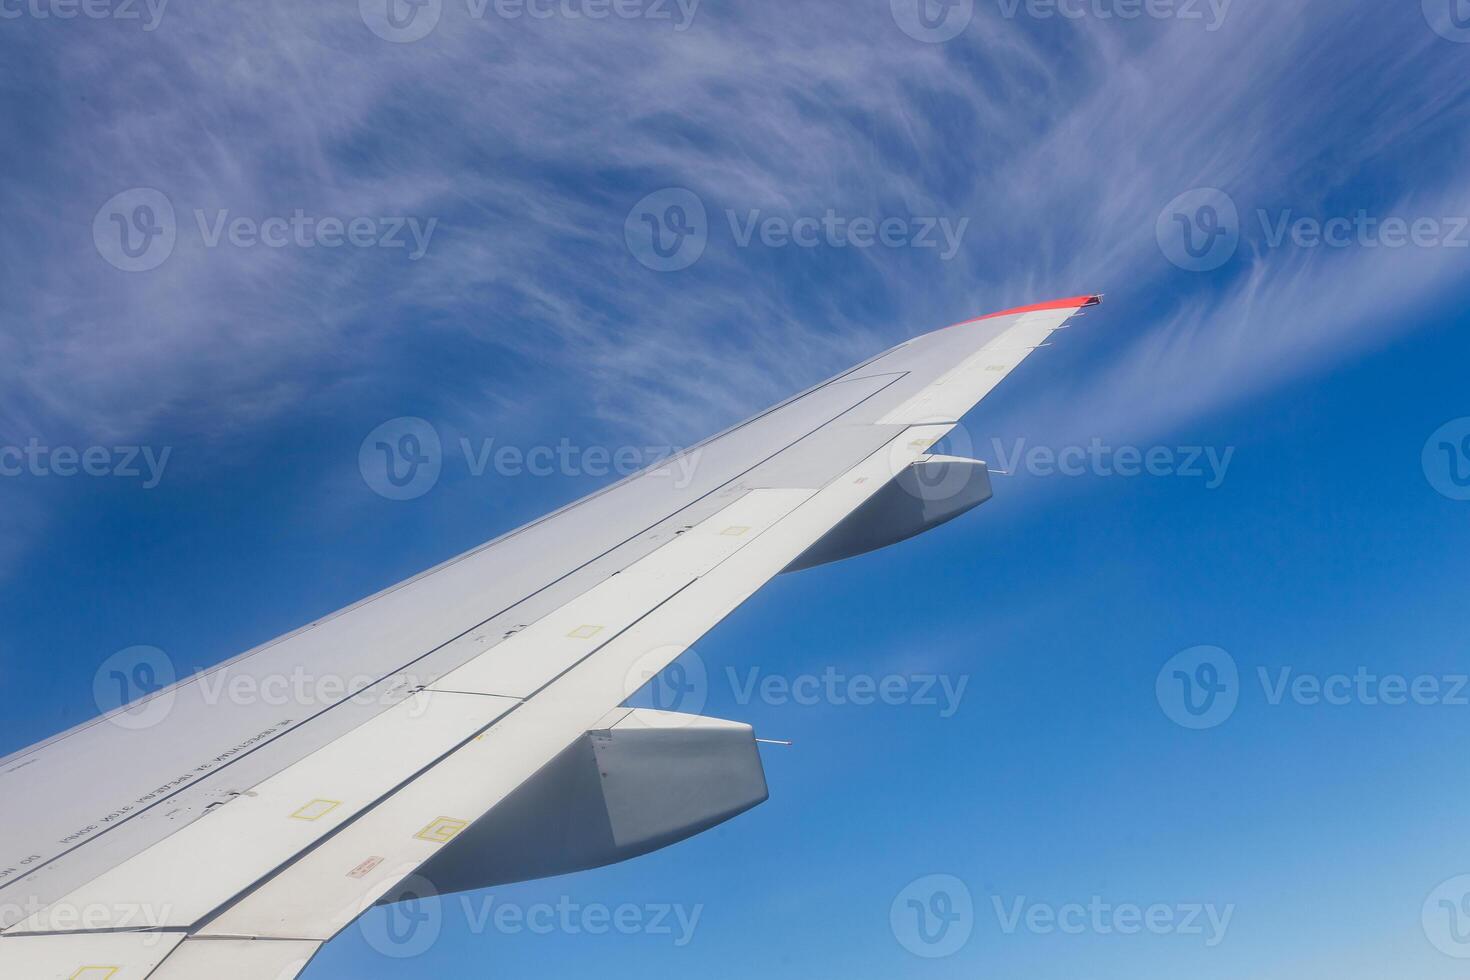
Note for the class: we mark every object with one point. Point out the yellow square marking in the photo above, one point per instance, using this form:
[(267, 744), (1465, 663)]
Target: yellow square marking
[(921, 443), (96, 973), (735, 530), (316, 809), (442, 830), (585, 632), (995, 367)]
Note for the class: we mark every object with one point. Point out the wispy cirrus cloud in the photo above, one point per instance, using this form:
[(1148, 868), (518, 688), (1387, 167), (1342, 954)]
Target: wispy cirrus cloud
[(529, 140)]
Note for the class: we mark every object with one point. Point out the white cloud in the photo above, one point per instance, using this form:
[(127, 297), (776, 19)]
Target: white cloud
[(530, 140)]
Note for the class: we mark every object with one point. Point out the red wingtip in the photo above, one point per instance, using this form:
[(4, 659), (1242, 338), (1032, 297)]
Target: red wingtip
[(1072, 302)]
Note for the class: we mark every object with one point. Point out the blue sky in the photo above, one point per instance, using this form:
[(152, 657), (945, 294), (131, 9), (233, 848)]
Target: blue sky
[(1074, 152)]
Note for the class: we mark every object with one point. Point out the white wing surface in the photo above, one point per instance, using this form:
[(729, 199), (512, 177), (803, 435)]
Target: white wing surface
[(200, 834)]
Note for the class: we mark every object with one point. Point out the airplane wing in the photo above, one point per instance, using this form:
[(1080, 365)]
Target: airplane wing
[(468, 726)]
